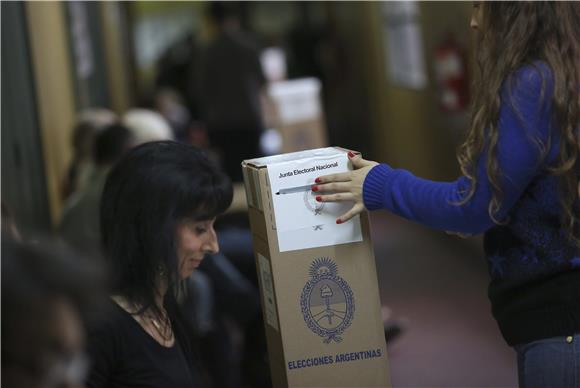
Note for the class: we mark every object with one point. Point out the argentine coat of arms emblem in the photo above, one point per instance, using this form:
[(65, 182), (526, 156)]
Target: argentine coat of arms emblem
[(327, 302)]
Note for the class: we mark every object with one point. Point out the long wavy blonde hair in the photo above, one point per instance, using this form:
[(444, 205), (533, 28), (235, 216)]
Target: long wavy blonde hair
[(512, 35)]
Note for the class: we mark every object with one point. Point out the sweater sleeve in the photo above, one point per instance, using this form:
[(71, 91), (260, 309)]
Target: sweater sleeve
[(524, 131)]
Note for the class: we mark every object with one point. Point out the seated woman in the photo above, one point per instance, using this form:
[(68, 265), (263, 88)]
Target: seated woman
[(158, 209)]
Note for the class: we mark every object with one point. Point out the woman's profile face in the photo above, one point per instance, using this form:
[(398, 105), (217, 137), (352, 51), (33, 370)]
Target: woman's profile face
[(194, 240), (476, 15)]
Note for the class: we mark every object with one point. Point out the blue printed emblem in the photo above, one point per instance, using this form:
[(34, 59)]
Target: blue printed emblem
[(327, 301)]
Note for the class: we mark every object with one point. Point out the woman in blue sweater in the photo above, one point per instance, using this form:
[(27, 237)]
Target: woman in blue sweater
[(520, 184)]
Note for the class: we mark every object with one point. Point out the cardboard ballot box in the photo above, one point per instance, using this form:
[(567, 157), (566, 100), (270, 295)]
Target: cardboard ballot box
[(295, 110), (318, 280)]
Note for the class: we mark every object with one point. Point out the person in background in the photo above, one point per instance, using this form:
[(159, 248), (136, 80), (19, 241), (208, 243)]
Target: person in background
[(79, 225), (231, 343), (520, 183), (177, 70), (171, 106), (157, 213), (147, 125), (47, 294), (231, 85), (89, 123)]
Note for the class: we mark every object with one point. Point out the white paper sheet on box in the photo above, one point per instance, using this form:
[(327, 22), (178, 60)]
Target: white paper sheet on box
[(301, 222)]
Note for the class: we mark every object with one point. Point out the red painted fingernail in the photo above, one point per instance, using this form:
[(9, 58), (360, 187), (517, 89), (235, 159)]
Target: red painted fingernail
[(317, 180), (350, 154), (319, 198), (339, 221), (314, 188)]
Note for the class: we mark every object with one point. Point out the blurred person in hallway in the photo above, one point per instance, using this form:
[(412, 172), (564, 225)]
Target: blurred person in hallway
[(177, 70), (177, 90), (157, 213), (147, 125), (520, 183), (89, 123), (46, 296), (230, 88), (171, 106), (79, 225)]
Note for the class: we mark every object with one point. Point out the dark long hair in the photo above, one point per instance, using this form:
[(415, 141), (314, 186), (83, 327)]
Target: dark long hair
[(150, 190), (515, 34)]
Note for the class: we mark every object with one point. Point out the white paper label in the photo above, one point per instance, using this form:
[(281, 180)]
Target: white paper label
[(268, 291), (301, 221)]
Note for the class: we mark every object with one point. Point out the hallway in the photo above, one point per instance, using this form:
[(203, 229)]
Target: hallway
[(439, 284)]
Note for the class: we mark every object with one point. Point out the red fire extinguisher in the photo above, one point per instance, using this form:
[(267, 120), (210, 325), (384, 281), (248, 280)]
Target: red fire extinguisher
[(451, 74)]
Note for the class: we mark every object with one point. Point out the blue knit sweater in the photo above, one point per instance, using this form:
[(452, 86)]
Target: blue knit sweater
[(534, 269)]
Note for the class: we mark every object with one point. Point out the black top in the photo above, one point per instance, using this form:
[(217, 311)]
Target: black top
[(123, 354)]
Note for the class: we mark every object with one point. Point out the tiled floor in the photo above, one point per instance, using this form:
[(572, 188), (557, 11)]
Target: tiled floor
[(439, 284)]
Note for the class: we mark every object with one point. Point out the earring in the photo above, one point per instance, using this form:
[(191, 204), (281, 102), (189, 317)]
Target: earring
[(161, 270)]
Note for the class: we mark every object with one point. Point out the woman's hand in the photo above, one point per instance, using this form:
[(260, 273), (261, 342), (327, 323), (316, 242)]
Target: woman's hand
[(345, 186)]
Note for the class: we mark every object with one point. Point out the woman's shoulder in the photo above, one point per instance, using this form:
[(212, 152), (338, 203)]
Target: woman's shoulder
[(536, 75), (529, 89)]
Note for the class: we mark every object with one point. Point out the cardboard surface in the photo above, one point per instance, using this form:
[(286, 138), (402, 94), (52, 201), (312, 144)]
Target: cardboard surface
[(294, 108), (304, 135), (321, 304)]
